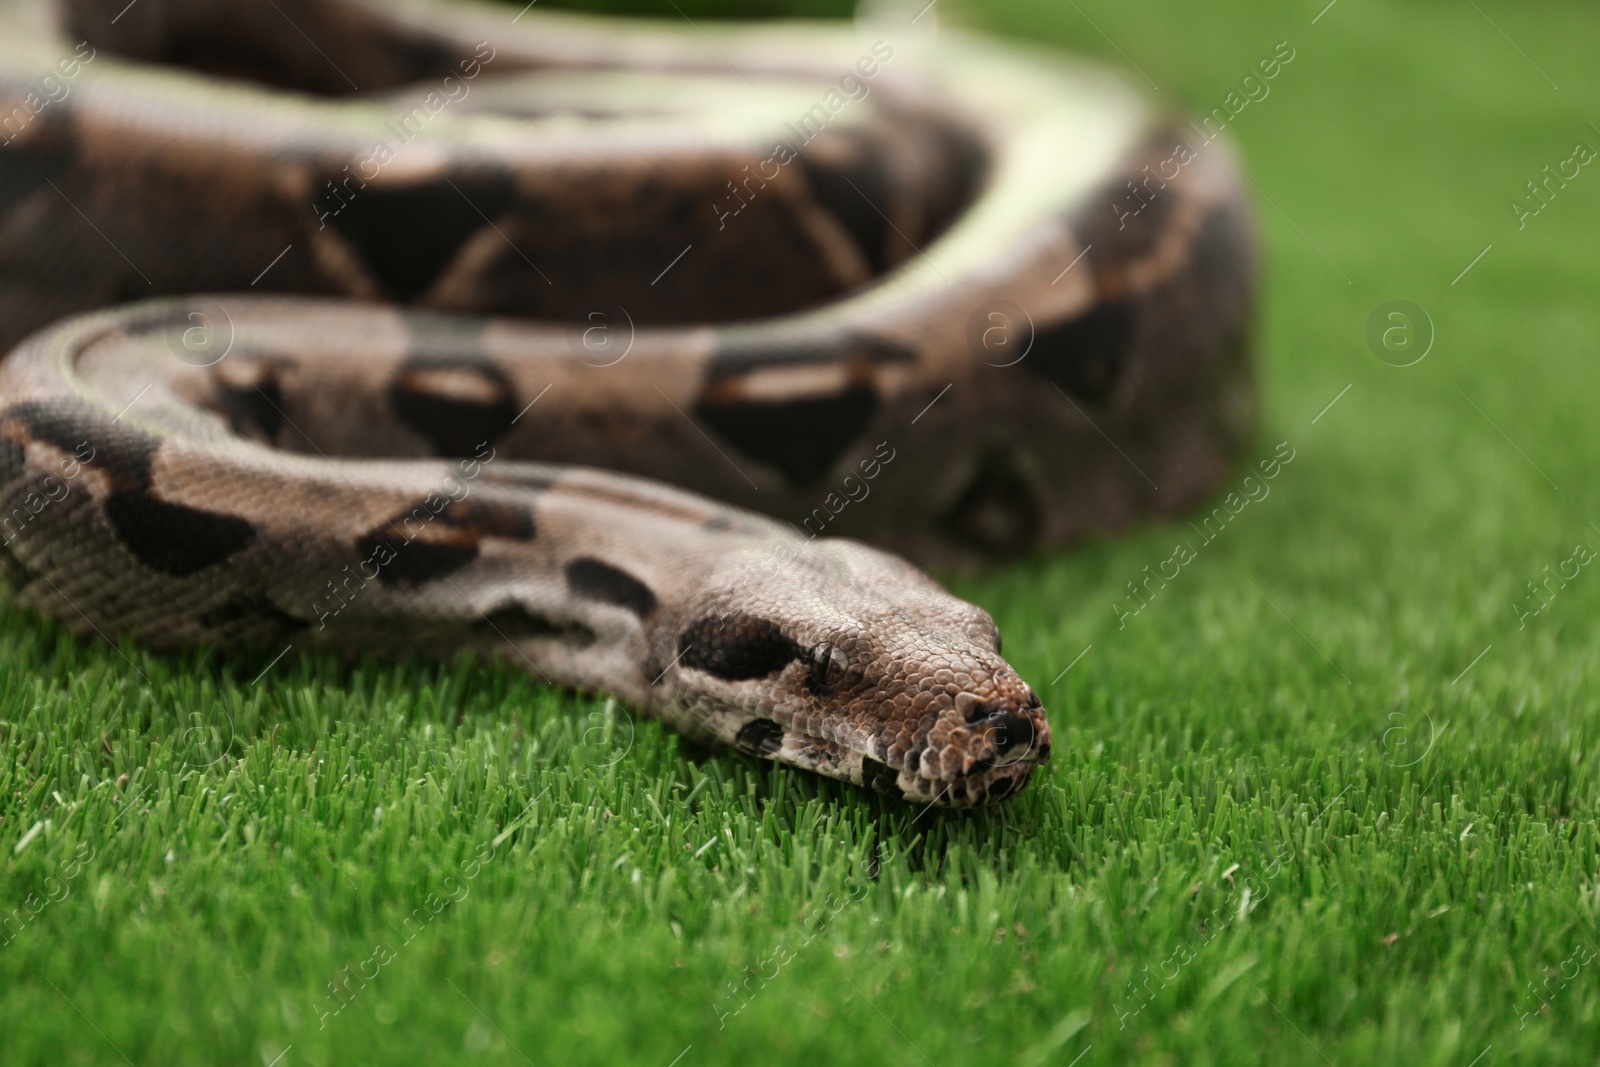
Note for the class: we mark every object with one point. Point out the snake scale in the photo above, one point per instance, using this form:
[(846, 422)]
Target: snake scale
[(603, 345)]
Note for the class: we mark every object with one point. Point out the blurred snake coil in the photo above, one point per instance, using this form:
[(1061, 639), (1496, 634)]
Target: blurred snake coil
[(411, 328)]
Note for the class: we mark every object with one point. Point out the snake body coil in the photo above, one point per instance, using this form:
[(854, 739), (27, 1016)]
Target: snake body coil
[(510, 274)]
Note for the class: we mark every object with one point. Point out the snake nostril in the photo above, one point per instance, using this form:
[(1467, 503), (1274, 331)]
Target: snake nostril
[(1011, 728), (1012, 733)]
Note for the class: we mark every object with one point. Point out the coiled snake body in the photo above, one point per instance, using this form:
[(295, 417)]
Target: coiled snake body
[(932, 293)]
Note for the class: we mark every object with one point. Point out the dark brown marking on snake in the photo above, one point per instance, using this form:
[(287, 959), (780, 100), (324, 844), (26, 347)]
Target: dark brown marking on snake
[(1137, 210), (847, 178), (491, 518), (998, 512), (458, 404), (968, 163), (514, 621), (13, 460), (1084, 356), (1220, 252), (254, 405), (759, 737), (594, 580), (880, 778), (175, 539), (252, 616), (121, 451), (803, 438), (411, 549), (416, 563), (407, 236), (737, 647), (45, 153), (1119, 228), (267, 44)]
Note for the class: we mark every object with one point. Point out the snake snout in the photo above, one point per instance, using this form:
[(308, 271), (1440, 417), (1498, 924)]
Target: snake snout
[(1002, 732), (1011, 733), (1014, 721)]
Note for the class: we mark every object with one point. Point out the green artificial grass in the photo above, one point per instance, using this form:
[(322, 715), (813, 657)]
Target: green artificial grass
[(1325, 799)]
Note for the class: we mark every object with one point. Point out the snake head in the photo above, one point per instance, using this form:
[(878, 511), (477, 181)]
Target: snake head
[(849, 662)]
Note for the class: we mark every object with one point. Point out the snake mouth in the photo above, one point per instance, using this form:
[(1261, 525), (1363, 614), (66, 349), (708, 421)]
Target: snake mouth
[(987, 760)]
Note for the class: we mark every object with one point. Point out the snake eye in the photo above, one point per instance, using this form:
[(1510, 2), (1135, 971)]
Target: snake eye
[(827, 668)]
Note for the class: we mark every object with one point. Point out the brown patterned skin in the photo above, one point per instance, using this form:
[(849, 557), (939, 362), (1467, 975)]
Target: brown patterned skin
[(977, 305)]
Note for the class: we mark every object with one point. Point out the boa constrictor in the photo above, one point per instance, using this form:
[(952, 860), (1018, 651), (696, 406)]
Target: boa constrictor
[(560, 302)]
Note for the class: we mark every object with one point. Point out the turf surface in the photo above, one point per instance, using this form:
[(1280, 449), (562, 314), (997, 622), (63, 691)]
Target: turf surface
[(1326, 799)]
